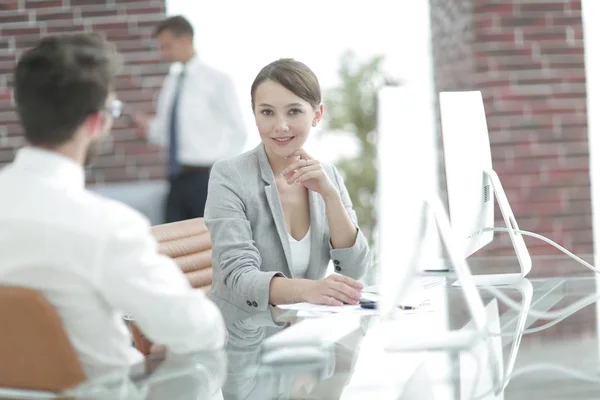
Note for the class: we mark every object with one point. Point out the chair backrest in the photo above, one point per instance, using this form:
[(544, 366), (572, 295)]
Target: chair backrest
[(35, 350), (188, 243)]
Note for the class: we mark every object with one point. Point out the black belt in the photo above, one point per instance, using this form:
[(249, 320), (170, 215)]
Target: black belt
[(184, 169)]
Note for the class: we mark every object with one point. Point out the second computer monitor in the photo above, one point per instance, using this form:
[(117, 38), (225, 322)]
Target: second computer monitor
[(467, 156)]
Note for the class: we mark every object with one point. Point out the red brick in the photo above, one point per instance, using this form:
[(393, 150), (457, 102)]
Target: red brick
[(96, 12), (506, 50), (562, 50), (43, 15), (40, 4), (33, 30), (75, 3), (106, 25), (502, 8), (145, 10), (121, 34), (61, 28), (507, 36), (563, 20), (520, 20), (13, 17), (9, 5), (540, 7)]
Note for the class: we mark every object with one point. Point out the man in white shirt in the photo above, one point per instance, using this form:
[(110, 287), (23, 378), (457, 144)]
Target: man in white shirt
[(93, 258), (197, 119)]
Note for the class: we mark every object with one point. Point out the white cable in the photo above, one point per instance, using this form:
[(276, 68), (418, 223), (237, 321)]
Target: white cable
[(538, 328), (558, 315), (562, 313), (549, 241)]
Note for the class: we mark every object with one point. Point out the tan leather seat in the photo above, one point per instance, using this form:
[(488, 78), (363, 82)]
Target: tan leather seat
[(35, 350), (188, 243)]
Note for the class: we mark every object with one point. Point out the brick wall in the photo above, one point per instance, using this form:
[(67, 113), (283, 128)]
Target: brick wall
[(527, 58), (127, 23), (451, 28)]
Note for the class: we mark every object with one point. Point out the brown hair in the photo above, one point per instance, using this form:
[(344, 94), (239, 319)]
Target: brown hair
[(177, 25), (61, 81), (292, 75)]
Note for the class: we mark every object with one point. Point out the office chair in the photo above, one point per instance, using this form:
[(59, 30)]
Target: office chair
[(35, 350), (188, 243)]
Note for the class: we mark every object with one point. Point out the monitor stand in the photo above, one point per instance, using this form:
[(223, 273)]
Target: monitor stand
[(397, 338), (525, 288), (402, 339), (516, 239)]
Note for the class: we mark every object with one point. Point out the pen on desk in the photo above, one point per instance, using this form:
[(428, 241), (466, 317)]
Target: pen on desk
[(373, 305)]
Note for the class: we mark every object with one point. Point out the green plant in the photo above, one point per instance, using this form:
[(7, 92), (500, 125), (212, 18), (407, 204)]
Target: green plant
[(351, 107)]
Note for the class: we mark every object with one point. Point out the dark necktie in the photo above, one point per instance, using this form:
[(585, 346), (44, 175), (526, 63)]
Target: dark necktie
[(173, 165)]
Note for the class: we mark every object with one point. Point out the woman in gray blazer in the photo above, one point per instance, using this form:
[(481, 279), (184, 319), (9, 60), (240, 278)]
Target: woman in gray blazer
[(276, 215)]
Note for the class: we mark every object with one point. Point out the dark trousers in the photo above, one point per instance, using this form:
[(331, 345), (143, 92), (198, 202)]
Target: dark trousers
[(187, 195)]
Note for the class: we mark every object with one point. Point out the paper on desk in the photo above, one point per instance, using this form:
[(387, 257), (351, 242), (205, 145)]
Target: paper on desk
[(427, 282), (420, 303), (354, 311), (418, 292), (418, 296), (308, 307)]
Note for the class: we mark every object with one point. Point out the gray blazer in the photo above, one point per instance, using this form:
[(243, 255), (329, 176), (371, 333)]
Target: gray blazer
[(250, 242)]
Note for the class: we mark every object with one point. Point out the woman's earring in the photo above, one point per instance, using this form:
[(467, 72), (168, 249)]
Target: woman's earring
[(314, 122)]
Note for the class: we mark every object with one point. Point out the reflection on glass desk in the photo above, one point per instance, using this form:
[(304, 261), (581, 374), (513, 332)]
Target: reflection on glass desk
[(356, 365), (171, 377)]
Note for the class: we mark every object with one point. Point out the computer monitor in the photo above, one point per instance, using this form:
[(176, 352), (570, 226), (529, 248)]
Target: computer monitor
[(472, 183), (407, 204), (467, 155)]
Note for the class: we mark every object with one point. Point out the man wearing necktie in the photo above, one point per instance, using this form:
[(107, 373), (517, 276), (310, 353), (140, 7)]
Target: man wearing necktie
[(198, 120)]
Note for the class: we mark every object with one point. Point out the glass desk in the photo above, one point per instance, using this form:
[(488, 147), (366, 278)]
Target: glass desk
[(356, 365), (170, 377)]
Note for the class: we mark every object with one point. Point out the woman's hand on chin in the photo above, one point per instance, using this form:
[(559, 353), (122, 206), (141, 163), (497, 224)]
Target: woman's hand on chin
[(308, 172)]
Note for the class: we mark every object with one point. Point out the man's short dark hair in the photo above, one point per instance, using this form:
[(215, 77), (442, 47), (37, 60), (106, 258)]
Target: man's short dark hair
[(177, 25), (60, 82)]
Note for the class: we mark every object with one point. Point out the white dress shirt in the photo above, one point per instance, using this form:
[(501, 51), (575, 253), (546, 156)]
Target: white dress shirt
[(95, 259), (210, 123)]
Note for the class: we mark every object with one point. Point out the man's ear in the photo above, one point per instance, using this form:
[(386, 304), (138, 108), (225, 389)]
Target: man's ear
[(94, 123)]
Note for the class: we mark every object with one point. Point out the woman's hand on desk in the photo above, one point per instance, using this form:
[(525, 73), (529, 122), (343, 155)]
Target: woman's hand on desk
[(334, 290), (309, 172)]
